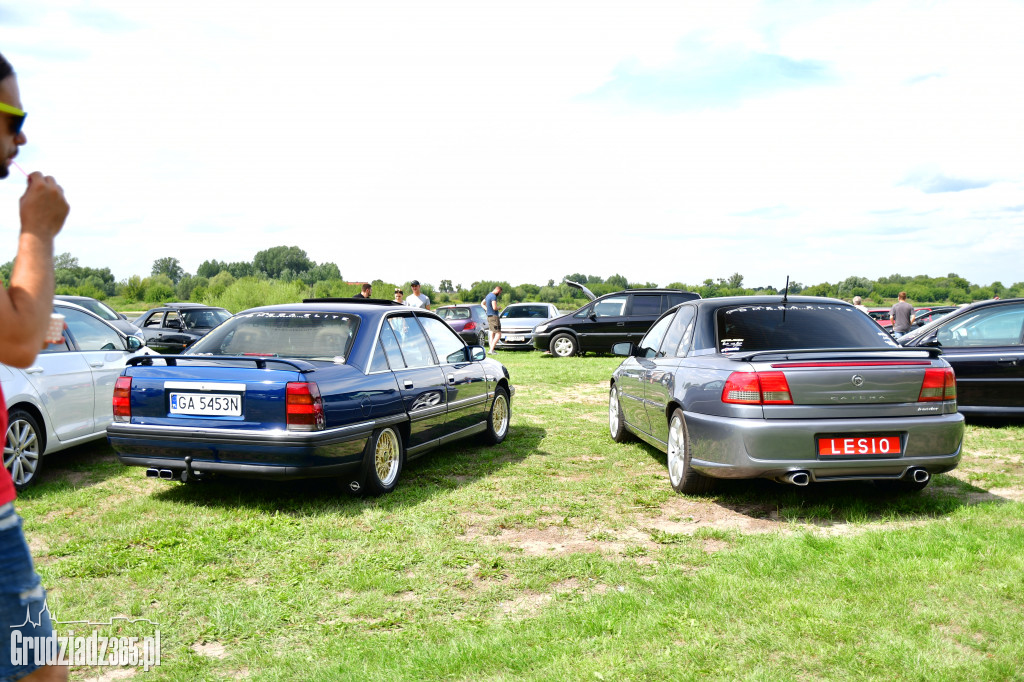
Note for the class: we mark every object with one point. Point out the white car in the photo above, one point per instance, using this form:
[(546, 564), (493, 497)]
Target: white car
[(64, 398), (518, 320)]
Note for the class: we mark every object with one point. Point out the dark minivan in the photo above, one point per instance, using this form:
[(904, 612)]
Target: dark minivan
[(605, 321)]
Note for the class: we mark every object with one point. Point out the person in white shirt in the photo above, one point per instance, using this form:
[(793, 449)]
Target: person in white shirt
[(859, 305), (416, 299)]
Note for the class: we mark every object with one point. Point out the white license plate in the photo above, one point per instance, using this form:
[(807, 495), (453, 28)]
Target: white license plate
[(514, 337), (218, 404)]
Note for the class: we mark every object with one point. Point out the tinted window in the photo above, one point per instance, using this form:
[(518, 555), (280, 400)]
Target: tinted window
[(539, 312), (798, 325), (447, 343), (646, 305), (676, 299), (390, 343), (204, 319), (89, 333), (652, 340), (613, 306), (172, 320), (309, 336), (154, 320), (996, 326), (677, 340), (412, 341)]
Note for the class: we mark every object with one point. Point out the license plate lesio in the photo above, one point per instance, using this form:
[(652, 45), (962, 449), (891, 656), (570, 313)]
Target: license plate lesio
[(859, 446)]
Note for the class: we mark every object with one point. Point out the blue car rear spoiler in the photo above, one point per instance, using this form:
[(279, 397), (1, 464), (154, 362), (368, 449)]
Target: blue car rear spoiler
[(832, 352), (260, 362)]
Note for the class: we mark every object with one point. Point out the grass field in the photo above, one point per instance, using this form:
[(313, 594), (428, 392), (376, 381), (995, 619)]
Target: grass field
[(557, 555)]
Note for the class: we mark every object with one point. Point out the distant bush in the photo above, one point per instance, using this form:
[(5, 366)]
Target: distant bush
[(249, 292), (159, 293)]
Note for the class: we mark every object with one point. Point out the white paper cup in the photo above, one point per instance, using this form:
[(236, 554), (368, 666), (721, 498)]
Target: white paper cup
[(55, 332)]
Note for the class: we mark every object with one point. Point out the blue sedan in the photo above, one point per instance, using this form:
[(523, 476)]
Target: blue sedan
[(329, 387)]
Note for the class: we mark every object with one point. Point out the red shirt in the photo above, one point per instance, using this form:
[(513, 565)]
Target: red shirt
[(7, 491)]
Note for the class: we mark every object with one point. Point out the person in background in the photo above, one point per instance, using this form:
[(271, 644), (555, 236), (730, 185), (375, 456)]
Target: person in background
[(364, 291), (25, 309), (902, 316), (491, 308), (416, 299), (399, 295), (859, 305)]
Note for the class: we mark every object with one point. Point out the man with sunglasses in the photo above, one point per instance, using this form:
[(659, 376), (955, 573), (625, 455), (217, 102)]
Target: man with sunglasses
[(25, 307)]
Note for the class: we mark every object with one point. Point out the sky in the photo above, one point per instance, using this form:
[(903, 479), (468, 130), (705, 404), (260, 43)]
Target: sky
[(524, 141)]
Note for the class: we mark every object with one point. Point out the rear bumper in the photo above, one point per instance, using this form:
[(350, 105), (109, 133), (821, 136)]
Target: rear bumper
[(261, 454), (725, 447)]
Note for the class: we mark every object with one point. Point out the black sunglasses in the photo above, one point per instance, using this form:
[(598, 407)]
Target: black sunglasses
[(17, 117)]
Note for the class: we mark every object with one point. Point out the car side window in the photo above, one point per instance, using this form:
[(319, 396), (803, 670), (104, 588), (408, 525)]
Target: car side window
[(997, 326), (412, 341), (646, 305), (447, 343), (677, 340), (379, 363), (391, 350), (154, 320), (613, 306), (91, 334), (652, 340), (172, 320)]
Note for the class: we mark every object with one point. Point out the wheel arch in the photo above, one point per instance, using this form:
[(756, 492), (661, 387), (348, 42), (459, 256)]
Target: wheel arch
[(37, 414)]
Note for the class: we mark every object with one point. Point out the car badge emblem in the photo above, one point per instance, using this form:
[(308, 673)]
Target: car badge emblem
[(857, 380)]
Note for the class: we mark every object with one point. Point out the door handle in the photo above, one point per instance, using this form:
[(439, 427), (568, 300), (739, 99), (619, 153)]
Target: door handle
[(407, 384), (1006, 361), (95, 364), (451, 378), (620, 324), (34, 370)]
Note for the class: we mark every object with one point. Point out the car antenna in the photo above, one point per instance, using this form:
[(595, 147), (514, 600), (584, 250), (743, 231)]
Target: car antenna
[(785, 294)]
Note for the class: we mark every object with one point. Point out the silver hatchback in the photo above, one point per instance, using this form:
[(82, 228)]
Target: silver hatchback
[(797, 390)]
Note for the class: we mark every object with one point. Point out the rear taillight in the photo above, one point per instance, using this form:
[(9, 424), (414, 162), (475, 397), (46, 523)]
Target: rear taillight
[(469, 326), (939, 384), (123, 399), (757, 388), (304, 408)]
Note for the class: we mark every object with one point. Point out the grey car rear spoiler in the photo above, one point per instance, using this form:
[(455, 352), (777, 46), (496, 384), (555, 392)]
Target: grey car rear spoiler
[(832, 353)]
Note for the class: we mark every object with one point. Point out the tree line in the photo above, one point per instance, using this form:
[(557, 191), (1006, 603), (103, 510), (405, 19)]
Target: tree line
[(287, 273)]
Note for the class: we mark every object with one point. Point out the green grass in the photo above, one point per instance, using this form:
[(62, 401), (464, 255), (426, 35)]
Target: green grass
[(555, 555)]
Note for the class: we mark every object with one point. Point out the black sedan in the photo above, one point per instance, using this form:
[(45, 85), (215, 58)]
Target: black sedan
[(796, 390), (984, 342), (173, 327)]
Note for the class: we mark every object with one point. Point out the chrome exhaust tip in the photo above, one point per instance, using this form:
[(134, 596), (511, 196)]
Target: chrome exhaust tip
[(152, 473), (921, 476), (167, 474), (798, 478)]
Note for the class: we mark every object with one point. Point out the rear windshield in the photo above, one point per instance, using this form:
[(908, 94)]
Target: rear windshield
[(453, 313), (204, 319), (307, 336), (539, 312), (793, 326)]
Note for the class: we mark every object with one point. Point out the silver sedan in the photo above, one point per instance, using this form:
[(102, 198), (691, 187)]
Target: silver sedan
[(64, 398)]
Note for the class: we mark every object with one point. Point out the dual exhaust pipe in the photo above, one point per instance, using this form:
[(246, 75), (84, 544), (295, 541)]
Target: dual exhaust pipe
[(165, 474), (802, 478)]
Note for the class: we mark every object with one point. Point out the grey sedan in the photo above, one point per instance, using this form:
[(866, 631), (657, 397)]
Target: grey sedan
[(797, 390)]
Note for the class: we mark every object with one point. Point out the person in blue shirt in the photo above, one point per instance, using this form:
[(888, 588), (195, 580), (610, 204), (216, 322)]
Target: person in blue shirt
[(491, 308)]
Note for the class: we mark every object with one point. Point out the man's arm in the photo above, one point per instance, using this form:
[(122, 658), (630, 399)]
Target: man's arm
[(25, 307)]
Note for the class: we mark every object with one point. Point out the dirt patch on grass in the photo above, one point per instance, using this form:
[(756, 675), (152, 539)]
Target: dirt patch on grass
[(210, 649)]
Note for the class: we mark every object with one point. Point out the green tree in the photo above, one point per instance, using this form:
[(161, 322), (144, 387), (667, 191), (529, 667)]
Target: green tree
[(277, 259), (735, 281), (168, 266), (209, 268)]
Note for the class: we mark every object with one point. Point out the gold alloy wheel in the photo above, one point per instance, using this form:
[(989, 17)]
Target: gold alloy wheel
[(499, 415), (386, 457)]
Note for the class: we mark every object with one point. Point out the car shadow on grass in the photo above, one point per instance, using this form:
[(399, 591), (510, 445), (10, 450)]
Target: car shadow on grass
[(80, 466), (841, 501), (446, 468)]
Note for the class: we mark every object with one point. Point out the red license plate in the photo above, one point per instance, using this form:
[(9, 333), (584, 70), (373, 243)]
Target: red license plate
[(859, 446)]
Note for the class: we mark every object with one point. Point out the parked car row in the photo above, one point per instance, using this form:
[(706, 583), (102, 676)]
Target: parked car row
[(794, 389)]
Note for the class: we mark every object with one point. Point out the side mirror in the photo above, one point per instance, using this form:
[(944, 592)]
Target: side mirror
[(173, 324), (625, 348), (122, 316), (476, 353), (134, 343), (932, 340)]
